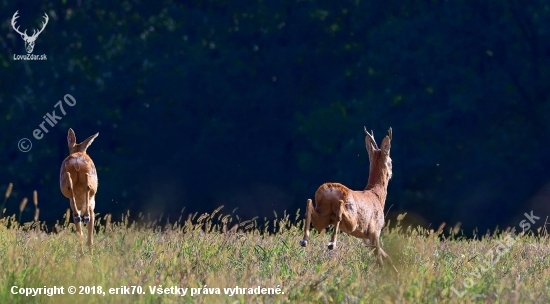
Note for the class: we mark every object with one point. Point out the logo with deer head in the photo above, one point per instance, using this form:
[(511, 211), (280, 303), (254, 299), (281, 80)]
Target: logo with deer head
[(29, 40)]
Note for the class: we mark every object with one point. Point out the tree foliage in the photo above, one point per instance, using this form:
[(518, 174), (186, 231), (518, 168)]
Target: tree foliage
[(254, 104)]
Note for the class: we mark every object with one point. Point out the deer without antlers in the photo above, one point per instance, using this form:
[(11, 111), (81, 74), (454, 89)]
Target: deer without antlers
[(29, 41), (358, 213), (78, 182)]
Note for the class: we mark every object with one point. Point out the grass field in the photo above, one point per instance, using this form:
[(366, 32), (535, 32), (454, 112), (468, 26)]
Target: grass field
[(204, 254)]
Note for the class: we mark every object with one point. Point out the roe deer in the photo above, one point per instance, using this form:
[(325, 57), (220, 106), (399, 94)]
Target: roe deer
[(358, 213), (78, 182)]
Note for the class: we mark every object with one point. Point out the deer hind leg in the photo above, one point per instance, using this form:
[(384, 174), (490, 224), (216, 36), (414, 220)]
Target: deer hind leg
[(313, 218), (309, 210), (89, 216), (338, 209), (91, 229), (74, 208), (86, 216)]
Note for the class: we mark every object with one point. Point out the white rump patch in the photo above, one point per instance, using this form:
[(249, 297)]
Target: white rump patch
[(77, 162)]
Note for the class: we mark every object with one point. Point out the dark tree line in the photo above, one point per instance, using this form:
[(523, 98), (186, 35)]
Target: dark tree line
[(255, 104)]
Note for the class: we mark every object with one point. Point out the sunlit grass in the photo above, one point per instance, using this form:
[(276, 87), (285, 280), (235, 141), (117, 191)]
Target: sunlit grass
[(221, 251)]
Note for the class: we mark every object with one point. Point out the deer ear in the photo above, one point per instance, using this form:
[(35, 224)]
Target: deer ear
[(71, 139), (86, 143)]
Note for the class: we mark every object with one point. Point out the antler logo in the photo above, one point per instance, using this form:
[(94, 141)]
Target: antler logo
[(29, 40)]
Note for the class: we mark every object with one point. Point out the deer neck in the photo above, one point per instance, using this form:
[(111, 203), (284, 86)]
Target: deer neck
[(378, 184)]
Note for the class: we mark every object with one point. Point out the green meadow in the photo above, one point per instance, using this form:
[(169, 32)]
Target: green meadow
[(221, 258)]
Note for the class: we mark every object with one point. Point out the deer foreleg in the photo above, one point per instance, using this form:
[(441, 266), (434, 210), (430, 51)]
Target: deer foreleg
[(380, 253)]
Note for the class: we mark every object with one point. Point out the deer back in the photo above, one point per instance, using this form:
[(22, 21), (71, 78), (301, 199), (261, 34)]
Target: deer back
[(80, 167)]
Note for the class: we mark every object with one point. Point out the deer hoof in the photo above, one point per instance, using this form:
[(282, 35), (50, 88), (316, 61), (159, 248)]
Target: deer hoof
[(76, 219), (331, 246), (303, 243), (86, 219)]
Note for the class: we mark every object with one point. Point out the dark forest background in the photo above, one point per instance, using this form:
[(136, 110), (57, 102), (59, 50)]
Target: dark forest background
[(254, 104)]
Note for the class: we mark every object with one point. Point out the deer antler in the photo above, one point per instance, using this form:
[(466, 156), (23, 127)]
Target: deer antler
[(34, 33), (371, 137), (13, 24), (389, 133), (43, 26)]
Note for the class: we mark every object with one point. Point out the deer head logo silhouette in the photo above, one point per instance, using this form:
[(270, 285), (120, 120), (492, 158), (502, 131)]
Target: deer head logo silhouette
[(29, 40)]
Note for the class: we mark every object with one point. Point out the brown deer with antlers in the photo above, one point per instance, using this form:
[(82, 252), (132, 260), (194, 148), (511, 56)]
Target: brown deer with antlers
[(358, 213), (78, 182)]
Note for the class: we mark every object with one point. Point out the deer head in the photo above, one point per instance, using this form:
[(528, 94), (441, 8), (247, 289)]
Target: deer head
[(29, 40), (81, 147), (379, 158)]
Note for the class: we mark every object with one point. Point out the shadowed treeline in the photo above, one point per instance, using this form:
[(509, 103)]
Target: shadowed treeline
[(255, 104)]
